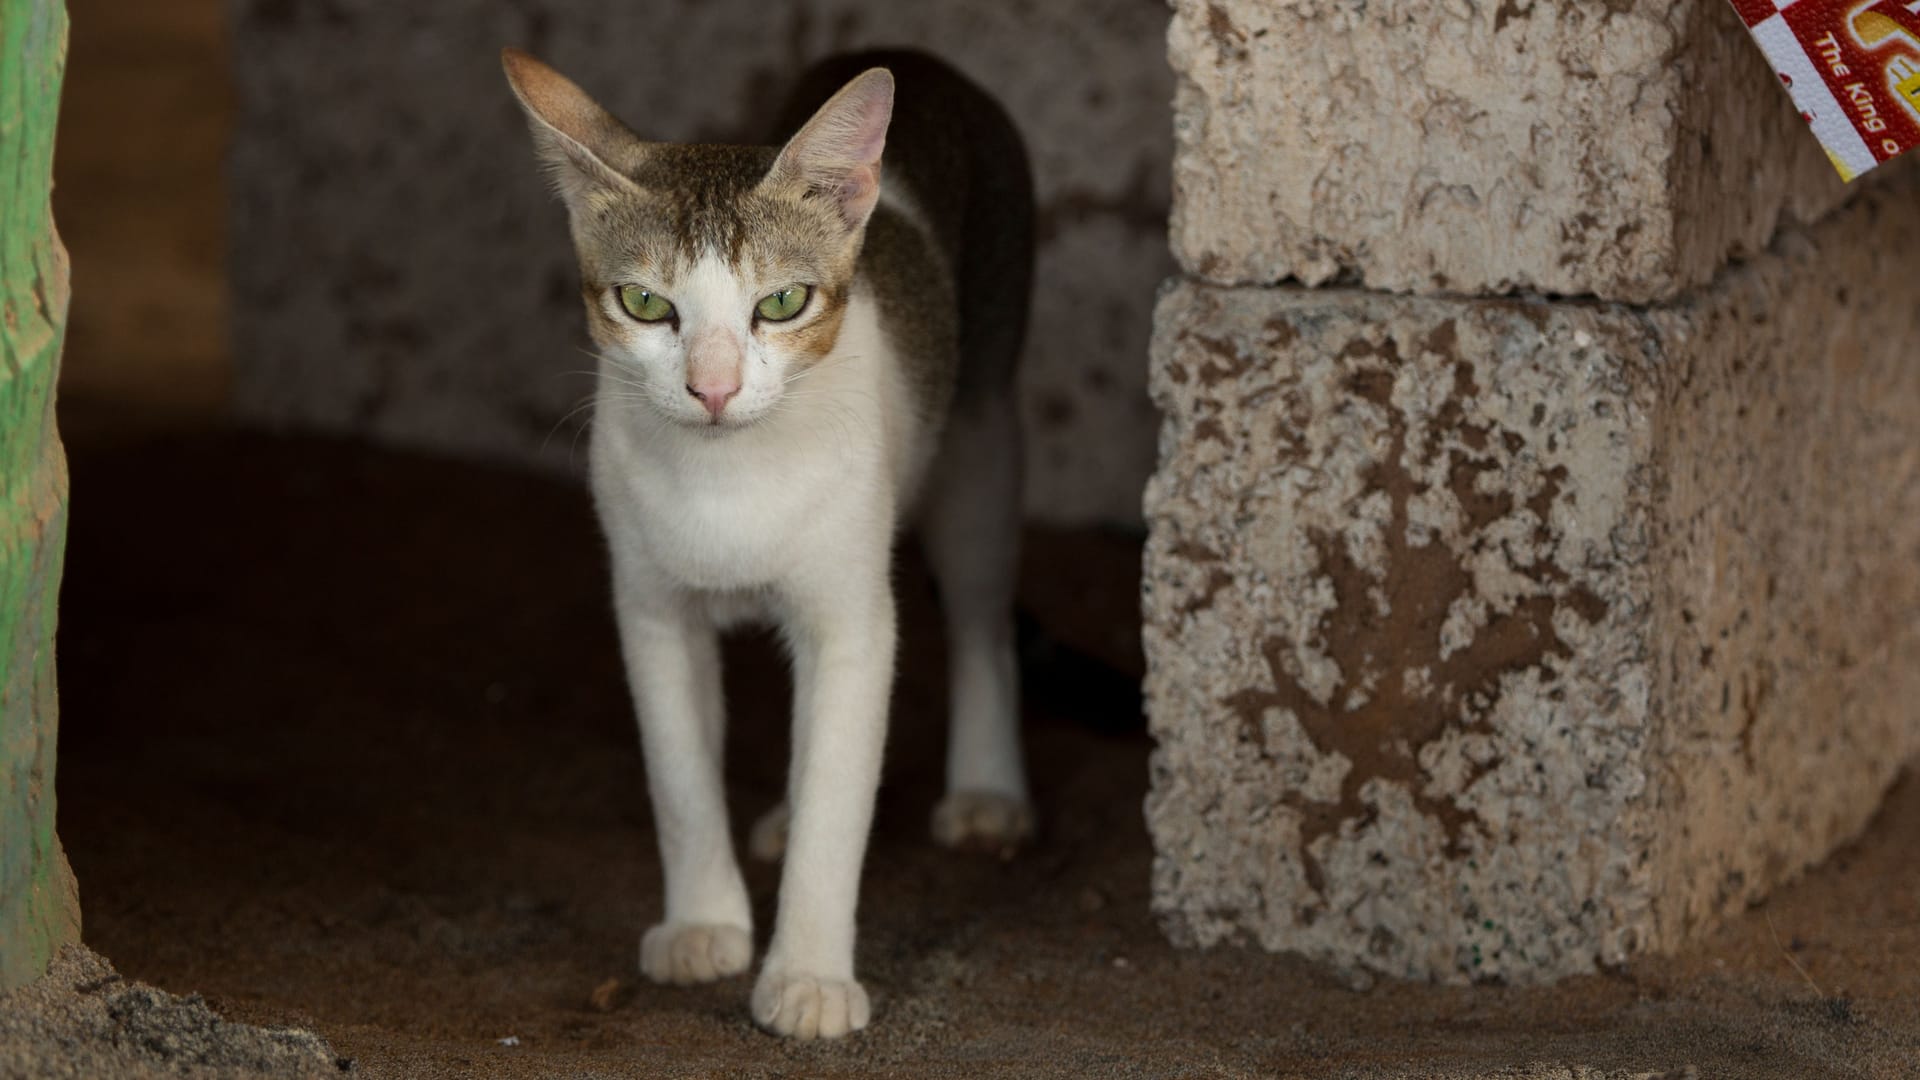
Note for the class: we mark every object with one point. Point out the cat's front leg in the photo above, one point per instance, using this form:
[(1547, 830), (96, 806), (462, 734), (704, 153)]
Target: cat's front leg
[(842, 636), (673, 663)]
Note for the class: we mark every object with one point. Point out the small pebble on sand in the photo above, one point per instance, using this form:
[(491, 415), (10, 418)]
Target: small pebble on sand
[(605, 996)]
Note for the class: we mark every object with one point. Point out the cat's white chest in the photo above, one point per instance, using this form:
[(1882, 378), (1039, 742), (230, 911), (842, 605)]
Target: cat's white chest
[(734, 517), (740, 525)]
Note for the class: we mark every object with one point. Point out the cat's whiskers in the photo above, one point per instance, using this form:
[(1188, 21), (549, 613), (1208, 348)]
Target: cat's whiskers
[(798, 403), (594, 401), (574, 410), (584, 403), (611, 362), (830, 409), (614, 375), (825, 362)]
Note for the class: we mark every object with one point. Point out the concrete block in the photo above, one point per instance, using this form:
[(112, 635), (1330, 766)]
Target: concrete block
[(1504, 640), (1625, 149), (400, 273)]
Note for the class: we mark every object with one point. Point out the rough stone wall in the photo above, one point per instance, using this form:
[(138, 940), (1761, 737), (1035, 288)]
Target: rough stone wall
[(1787, 541), (1500, 639), (399, 272), (1618, 148), (1399, 669)]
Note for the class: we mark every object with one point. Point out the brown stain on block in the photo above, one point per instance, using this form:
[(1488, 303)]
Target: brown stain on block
[(1229, 360), (1217, 580), (1227, 37), (1373, 717)]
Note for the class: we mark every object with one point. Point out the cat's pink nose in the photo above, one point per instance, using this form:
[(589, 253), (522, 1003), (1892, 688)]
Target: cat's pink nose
[(714, 393)]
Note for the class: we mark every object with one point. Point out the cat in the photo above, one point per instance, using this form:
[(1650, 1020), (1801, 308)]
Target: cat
[(798, 358)]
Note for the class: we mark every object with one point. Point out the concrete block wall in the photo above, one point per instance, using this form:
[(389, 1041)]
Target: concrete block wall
[(1507, 637), (1625, 149), (400, 273)]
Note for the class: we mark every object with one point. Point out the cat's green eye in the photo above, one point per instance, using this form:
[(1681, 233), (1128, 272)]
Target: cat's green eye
[(782, 304), (645, 304)]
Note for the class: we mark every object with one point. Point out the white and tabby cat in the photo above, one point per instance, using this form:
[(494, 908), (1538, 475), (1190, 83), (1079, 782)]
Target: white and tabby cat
[(815, 357)]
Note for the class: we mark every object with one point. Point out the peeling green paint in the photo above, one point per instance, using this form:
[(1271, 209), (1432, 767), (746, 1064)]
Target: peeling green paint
[(39, 906)]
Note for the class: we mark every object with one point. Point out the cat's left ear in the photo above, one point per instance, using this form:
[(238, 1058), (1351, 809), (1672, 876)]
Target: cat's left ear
[(837, 153)]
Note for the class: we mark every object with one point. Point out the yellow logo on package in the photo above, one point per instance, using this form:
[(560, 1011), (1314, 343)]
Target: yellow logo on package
[(1852, 69)]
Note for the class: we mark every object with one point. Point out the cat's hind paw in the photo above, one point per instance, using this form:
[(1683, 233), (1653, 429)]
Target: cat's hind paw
[(806, 1007), (688, 953), (767, 840), (983, 821)]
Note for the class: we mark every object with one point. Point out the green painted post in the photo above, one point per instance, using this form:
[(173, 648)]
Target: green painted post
[(39, 904)]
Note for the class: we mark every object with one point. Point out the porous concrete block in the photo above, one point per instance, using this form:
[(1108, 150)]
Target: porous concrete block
[(1618, 148), (401, 273), (1502, 639)]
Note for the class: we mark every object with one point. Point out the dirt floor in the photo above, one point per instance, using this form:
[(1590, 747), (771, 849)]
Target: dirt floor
[(345, 746), (83, 1021)]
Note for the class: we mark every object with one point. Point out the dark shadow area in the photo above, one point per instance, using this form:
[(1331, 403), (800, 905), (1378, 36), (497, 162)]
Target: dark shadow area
[(347, 744)]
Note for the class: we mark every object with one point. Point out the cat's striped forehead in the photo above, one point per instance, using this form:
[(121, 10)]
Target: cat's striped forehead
[(698, 202)]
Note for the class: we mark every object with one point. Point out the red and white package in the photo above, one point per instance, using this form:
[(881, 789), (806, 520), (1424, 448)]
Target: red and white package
[(1853, 69)]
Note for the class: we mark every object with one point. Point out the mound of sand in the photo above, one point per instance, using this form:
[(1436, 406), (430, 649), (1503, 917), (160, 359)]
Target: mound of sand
[(83, 1020)]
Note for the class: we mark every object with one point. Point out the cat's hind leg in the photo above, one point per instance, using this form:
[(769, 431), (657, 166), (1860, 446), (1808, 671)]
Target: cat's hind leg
[(970, 529), (673, 664), (767, 840)]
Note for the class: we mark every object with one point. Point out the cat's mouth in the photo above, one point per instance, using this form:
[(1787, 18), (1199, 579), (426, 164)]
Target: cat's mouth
[(714, 427)]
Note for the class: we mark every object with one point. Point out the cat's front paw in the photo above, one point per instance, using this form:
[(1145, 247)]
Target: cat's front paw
[(983, 821), (806, 1007), (687, 953)]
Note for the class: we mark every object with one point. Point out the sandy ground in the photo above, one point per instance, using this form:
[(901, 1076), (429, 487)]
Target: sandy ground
[(346, 747), (84, 1020)]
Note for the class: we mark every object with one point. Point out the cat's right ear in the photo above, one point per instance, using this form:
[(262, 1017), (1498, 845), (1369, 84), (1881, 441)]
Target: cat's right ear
[(581, 145)]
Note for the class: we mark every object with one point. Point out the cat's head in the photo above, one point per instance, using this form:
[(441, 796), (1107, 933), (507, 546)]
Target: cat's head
[(713, 276)]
